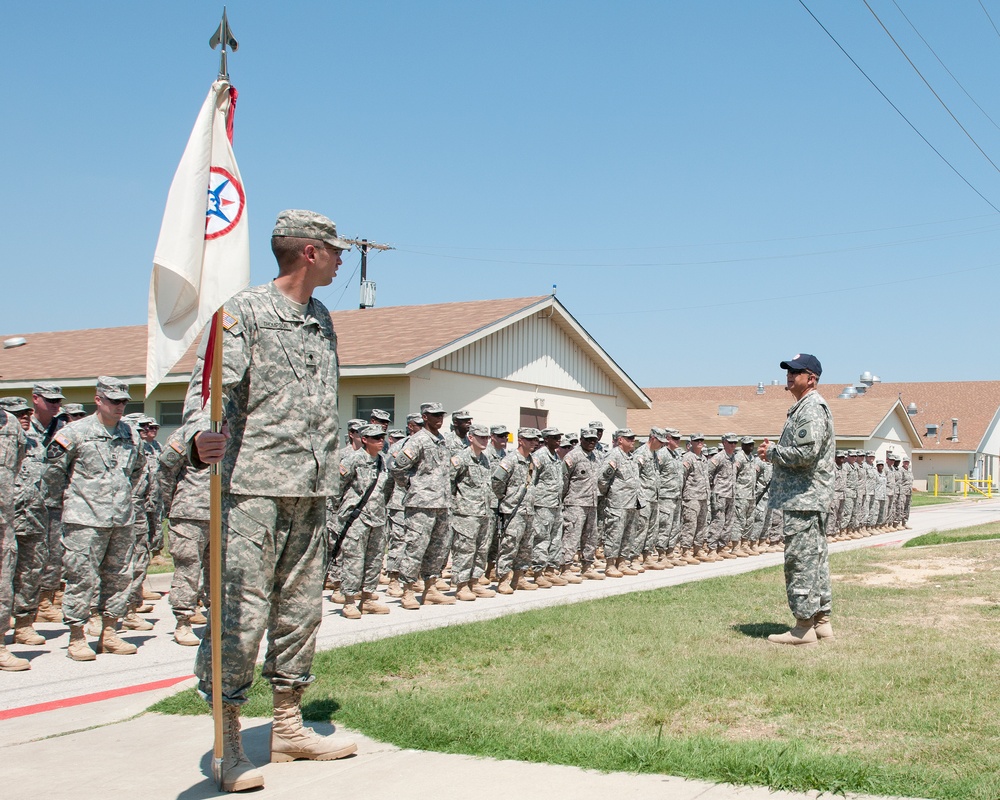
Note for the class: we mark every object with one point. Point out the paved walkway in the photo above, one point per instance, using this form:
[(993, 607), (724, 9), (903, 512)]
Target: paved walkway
[(67, 727)]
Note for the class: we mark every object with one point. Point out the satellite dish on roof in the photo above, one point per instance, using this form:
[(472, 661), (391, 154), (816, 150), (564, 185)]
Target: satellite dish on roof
[(17, 341)]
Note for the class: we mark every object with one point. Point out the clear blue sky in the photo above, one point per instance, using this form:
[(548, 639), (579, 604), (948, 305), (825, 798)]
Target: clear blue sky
[(713, 186)]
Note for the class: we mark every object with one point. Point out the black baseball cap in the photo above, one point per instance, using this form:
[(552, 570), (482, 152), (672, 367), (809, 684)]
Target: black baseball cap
[(803, 361)]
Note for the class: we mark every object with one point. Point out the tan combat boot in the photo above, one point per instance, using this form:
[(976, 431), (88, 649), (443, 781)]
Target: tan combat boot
[(521, 582), (465, 592), (291, 740), (337, 594), (802, 633), (409, 599), (371, 605), (542, 581), (555, 578), (350, 608), (433, 595), (504, 587), (591, 574), (184, 635), (149, 594), (740, 549), (94, 626), (238, 772), (78, 648), (569, 576), (479, 590), (11, 663), (197, 618), (612, 570), (729, 553), (133, 622), (109, 641), (24, 633), (823, 628), (48, 611), (625, 568), (395, 588)]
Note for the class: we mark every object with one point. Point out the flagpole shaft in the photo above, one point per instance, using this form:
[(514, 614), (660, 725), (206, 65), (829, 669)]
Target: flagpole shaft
[(215, 546)]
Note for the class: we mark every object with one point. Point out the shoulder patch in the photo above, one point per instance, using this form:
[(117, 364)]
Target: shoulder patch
[(55, 450), (343, 469), (407, 452), (456, 461), (60, 439), (229, 320), (177, 446), (612, 463)]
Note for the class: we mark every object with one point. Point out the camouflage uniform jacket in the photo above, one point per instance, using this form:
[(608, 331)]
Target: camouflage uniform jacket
[(513, 482), (471, 484), (96, 472), (454, 442), (671, 474), (860, 470), (52, 500), (746, 475), (548, 478), (696, 483), (850, 480), (357, 472), (722, 474), (183, 490), (30, 490), (279, 381), (618, 481), (648, 464), (880, 493), (580, 478), (905, 481), (891, 481), (839, 480), (870, 473), (765, 471), (422, 468), (12, 449), (803, 458), (396, 500)]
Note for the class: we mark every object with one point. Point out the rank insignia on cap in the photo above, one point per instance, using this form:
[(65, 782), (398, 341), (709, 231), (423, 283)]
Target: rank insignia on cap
[(228, 320)]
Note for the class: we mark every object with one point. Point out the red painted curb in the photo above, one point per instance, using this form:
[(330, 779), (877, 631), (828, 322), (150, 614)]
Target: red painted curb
[(80, 700)]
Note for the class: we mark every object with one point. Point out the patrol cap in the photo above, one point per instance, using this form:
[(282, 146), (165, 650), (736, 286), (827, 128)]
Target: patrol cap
[(711, 451), (906, 459), (396, 433), (547, 432), (528, 433), (840, 454), (597, 425), (673, 433), (135, 418), (499, 430), (803, 361), (355, 425), (479, 430), (308, 225), (461, 415), (414, 418), (565, 441), (14, 404), (150, 422), (747, 440), (588, 433), (624, 433), (879, 463), (696, 437), (730, 437), (380, 415), (660, 434), (869, 453), (50, 391), (73, 409), (431, 408), (112, 388), (373, 431)]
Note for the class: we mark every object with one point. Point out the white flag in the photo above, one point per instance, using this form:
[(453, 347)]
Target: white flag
[(203, 254)]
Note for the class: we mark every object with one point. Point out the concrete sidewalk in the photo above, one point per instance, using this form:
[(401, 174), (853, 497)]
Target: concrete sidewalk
[(82, 743)]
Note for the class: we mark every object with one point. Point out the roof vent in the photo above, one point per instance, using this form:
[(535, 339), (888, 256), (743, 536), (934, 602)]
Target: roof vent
[(17, 341), (911, 409), (876, 379), (776, 383), (861, 388), (866, 378), (760, 387), (848, 393), (932, 429), (954, 429), (728, 411)]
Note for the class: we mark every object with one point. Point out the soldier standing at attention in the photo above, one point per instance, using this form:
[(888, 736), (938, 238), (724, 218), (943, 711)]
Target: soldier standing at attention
[(458, 437), (905, 493), (278, 459), (722, 474), (395, 529), (618, 484), (802, 487), (694, 502), (471, 509), (46, 401), (668, 499), (647, 459), (746, 483), (12, 445), (93, 465), (546, 554), (513, 483), (579, 498)]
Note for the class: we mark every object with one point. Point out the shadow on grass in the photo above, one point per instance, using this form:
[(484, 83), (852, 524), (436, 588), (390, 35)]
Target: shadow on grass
[(760, 630), (320, 709)]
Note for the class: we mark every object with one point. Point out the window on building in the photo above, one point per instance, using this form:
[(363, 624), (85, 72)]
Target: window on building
[(534, 418), (363, 407), (169, 413)]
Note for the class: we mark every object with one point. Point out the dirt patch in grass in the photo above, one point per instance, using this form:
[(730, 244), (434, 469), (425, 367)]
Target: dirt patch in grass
[(914, 573)]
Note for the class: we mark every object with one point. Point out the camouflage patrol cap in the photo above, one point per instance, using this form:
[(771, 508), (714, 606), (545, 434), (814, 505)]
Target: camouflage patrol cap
[(624, 433), (414, 418), (548, 432), (396, 433), (597, 425), (380, 415), (528, 433), (14, 404), (660, 434), (499, 430), (565, 441), (869, 453), (673, 433), (879, 463), (308, 225), (730, 437), (840, 454), (355, 425), (431, 408), (112, 388), (711, 451), (747, 440), (588, 433), (372, 431), (73, 409), (906, 459), (135, 418), (479, 430), (696, 437), (150, 422), (461, 415), (50, 391)]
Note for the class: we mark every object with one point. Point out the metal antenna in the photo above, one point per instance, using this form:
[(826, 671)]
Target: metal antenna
[(224, 37), (367, 287)]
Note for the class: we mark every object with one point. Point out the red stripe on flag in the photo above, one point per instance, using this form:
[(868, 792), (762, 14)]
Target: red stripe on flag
[(95, 697)]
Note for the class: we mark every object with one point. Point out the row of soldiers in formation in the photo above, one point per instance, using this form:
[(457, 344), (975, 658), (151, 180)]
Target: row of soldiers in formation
[(870, 496)]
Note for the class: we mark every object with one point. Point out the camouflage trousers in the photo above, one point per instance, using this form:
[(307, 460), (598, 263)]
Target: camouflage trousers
[(668, 523), (694, 523), (395, 538), (720, 531), (646, 529), (428, 540), (869, 512), (807, 563), (140, 558), (361, 558), (880, 512), (836, 513), (846, 513), (516, 540), (97, 565), (155, 524), (579, 534), (766, 523), (8, 561), (892, 509), (904, 506), (273, 551), (743, 519), (52, 574), (619, 531), (189, 550), (858, 512), (547, 549), (469, 545), (32, 555)]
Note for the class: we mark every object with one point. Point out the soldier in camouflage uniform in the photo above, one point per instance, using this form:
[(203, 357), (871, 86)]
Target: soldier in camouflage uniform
[(46, 400), (458, 437), (694, 503), (145, 501), (12, 448), (880, 497), (905, 493), (495, 452), (860, 500), (29, 522), (868, 465), (722, 474), (471, 509), (850, 496), (668, 501), (802, 487), (513, 483), (745, 463), (278, 465), (579, 498), (618, 483), (332, 582), (546, 554), (396, 513), (365, 487), (647, 460), (93, 465), (422, 468), (891, 490), (767, 520)]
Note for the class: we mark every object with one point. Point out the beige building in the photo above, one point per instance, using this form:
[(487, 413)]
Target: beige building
[(523, 361)]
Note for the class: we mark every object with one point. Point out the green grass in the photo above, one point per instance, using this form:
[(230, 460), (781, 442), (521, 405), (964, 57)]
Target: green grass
[(976, 533), (681, 681), (918, 500)]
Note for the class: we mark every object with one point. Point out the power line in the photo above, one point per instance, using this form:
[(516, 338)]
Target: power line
[(987, 13), (896, 109)]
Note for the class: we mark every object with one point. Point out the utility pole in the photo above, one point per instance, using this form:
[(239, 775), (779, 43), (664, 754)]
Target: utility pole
[(367, 286)]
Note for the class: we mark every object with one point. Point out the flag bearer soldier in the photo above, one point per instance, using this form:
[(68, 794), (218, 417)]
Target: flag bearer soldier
[(471, 511)]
